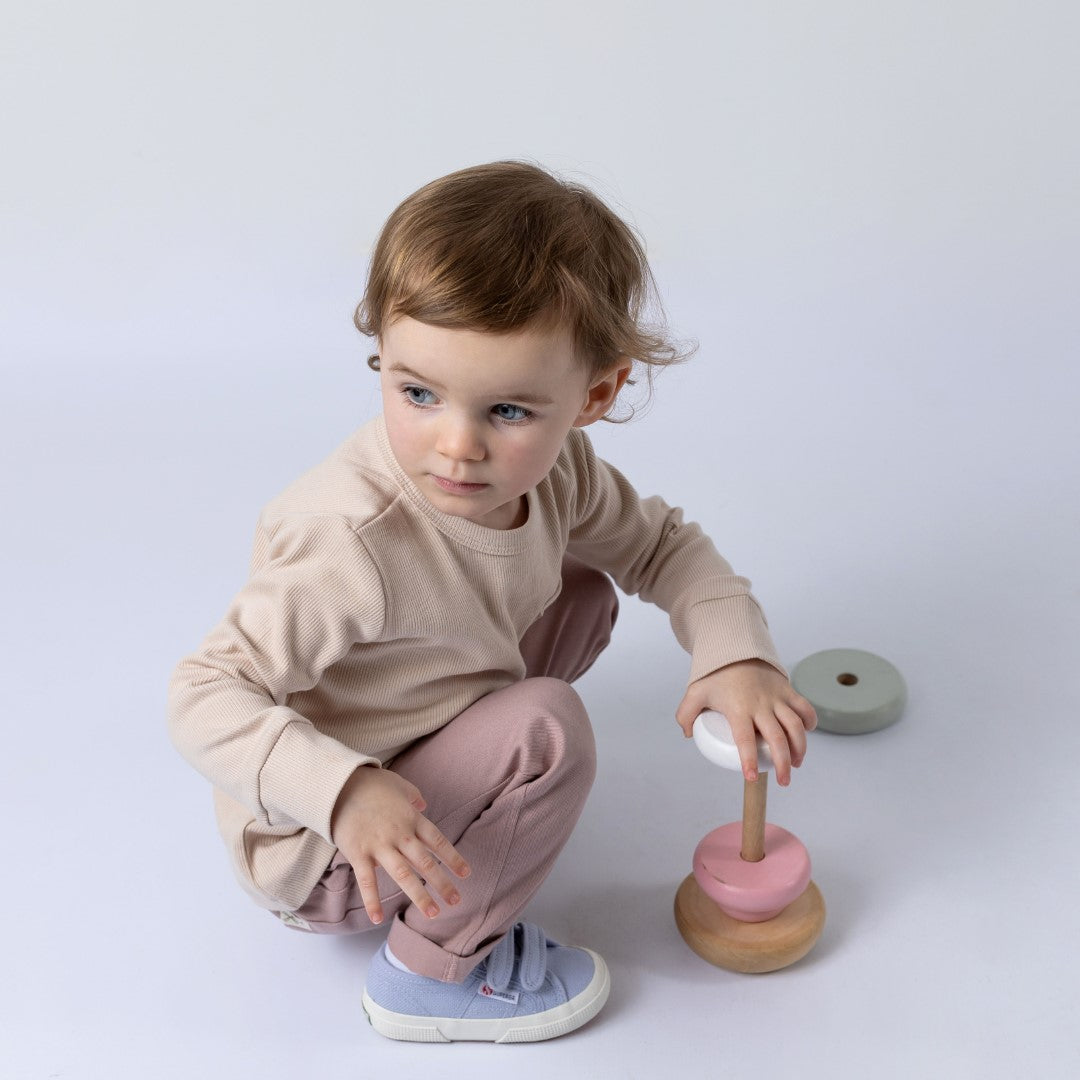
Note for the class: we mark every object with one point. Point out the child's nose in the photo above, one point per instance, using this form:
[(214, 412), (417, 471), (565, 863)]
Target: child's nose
[(459, 440)]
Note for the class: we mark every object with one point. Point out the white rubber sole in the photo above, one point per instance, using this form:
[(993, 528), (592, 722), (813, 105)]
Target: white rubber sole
[(546, 1025)]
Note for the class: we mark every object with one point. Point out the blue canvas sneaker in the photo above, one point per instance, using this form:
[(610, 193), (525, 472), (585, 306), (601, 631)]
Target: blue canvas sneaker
[(527, 989)]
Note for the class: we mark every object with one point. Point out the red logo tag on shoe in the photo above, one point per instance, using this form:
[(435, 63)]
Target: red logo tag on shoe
[(509, 996)]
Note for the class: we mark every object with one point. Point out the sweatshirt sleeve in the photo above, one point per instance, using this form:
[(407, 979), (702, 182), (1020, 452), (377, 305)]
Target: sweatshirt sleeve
[(313, 593), (651, 551)]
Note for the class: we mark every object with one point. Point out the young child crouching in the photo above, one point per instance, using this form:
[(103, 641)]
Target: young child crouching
[(385, 710)]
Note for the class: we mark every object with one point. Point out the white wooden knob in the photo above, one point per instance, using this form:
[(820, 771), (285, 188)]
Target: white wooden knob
[(712, 734)]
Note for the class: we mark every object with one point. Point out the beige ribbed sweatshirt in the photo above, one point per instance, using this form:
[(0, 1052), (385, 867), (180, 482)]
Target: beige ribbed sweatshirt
[(371, 619)]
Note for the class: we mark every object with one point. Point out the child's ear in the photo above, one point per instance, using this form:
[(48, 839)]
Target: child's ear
[(602, 393)]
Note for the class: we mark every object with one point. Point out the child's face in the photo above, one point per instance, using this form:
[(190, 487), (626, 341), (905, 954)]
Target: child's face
[(476, 420)]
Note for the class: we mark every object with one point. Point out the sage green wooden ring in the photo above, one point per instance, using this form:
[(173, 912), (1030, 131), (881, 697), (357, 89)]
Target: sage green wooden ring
[(853, 692)]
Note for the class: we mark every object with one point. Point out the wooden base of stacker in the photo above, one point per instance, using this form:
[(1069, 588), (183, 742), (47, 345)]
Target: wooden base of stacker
[(747, 947)]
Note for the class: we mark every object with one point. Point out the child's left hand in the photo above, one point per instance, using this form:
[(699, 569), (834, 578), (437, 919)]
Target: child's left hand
[(756, 699)]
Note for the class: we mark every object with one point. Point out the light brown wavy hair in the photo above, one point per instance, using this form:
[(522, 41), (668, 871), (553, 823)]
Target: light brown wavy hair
[(502, 246)]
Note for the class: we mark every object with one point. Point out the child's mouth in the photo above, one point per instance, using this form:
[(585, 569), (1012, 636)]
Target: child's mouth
[(457, 488)]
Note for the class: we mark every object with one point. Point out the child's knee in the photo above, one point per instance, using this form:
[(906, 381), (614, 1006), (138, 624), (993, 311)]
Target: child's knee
[(563, 726)]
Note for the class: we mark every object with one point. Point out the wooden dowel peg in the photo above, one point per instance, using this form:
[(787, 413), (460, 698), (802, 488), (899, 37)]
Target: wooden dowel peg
[(755, 793)]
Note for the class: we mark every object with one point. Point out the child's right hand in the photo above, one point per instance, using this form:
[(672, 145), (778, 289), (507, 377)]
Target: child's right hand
[(377, 821)]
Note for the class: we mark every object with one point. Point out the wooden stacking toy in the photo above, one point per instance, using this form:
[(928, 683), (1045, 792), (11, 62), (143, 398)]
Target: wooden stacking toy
[(749, 905)]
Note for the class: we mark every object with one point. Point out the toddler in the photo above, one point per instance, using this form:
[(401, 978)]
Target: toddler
[(385, 711)]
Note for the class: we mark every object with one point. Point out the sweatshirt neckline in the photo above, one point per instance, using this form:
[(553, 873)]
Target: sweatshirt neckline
[(469, 533)]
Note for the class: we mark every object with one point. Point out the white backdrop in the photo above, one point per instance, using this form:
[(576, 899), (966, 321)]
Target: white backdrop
[(867, 215)]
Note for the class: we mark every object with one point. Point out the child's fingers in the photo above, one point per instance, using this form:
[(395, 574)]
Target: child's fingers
[(412, 793), (430, 869), (776, 738), (792, 724), (769, 728), (805, 711), (364, 871), (419, 863), (398, 866), (441, 848), (742, 731), (687, 712)]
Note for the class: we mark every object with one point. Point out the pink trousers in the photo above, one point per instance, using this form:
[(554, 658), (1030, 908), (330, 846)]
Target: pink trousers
[(505, 781)]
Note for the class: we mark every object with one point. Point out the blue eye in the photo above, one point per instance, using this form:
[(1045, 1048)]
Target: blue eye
[(511, 412), (417, 395)]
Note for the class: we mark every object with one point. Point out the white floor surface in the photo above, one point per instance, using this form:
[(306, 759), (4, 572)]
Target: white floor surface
[(942, 845)]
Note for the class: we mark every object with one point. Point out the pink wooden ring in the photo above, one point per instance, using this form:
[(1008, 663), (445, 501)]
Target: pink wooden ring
[(751, 891)]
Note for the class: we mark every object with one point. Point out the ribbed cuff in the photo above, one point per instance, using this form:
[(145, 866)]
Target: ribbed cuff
[(303, 776), (726, 631), (424, 957)]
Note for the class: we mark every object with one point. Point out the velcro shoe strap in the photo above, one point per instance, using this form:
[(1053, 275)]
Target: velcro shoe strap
[(500, 961), (532, 963), (525, 943)]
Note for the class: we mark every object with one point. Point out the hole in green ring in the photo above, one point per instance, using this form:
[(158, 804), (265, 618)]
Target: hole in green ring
[(847, 679)]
